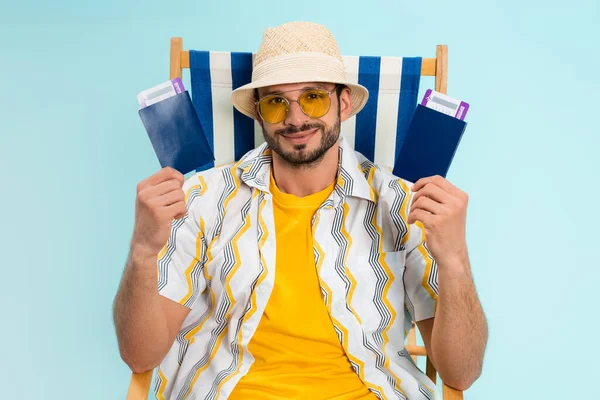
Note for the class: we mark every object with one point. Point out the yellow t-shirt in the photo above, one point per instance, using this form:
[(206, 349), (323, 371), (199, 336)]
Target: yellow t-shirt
[(297, 352)]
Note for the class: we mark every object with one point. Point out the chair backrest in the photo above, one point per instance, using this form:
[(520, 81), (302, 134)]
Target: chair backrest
[(377, 131)]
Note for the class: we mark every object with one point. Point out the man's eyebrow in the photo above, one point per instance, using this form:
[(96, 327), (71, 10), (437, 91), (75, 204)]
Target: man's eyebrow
[(271, 92)]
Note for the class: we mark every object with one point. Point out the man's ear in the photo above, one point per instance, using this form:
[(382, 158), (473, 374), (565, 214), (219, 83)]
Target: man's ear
[(345, 104)]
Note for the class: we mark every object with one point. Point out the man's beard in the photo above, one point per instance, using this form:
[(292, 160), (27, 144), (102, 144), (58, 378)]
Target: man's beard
[(300, 158)]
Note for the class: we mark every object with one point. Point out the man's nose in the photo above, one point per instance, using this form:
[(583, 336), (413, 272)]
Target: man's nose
[(295, 115)]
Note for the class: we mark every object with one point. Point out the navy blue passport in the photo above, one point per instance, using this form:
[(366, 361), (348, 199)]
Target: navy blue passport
[(429, 146), (176, 134)]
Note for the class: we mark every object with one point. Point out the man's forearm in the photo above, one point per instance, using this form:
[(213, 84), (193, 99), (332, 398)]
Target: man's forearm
[(459, 334), (140, 321)]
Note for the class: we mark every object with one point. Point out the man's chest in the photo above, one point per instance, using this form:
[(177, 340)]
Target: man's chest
[(357, 251)]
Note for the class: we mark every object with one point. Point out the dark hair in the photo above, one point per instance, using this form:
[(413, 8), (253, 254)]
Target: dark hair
[(339, 88)]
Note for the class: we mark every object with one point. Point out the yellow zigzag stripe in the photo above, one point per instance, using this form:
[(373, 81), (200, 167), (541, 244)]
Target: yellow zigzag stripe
[(390, 308), (190, 335), (348, 273), (198, 256), (253, 297), (229, 276), (163, 384), (337, 324), (421, 247)]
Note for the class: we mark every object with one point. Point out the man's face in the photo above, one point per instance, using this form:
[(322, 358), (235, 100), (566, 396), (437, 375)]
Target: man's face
[(299, 139)]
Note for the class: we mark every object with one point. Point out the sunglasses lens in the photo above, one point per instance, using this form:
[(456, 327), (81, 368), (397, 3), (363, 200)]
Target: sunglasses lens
[(273, 109), (315, 102)]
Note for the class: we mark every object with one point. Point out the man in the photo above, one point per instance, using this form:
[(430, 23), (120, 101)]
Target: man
[(295, 272)]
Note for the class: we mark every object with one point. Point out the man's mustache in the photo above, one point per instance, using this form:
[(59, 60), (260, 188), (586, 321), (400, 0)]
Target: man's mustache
[(296, 129)]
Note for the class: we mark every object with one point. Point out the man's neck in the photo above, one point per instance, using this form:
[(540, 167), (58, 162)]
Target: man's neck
[(308, 180)]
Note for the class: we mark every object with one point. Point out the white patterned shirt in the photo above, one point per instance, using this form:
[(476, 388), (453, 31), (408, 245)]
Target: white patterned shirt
[(375, 272)]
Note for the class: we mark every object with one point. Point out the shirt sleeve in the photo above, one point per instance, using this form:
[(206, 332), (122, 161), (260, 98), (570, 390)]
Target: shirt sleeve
[(182, 259), (420, 275)]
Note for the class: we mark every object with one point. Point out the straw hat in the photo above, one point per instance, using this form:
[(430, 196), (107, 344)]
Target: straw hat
[(297, 52)]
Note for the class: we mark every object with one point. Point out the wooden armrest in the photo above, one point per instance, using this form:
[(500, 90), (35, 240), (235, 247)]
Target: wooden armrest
[(139, 386), (416, 350), (449, 393)]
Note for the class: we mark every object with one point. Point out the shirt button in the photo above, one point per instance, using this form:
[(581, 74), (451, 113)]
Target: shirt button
[(267, 197)]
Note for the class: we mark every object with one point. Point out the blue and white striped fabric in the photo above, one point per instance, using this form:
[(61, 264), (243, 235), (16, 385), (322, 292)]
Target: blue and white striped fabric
[(377, 132)]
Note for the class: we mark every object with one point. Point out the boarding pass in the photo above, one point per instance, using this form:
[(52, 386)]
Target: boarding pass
[(160, 92), (445, 104)]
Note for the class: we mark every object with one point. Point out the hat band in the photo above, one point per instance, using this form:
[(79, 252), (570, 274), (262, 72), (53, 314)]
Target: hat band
[(300, 64)]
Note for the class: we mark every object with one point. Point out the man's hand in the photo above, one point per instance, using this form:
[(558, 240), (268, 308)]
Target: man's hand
[(457, 336), (442, 209), (160, 199), (146, 322)]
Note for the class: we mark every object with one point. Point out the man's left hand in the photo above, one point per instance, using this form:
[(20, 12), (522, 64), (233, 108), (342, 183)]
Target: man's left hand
[(442, 210)]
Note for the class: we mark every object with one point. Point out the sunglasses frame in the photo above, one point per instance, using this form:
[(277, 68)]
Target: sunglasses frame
[(288, 101)]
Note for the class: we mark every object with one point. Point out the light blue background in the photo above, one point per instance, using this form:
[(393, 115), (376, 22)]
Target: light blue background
[(73, 148)]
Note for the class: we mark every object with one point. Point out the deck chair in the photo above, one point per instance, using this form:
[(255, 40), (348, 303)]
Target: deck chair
[(377, 131)]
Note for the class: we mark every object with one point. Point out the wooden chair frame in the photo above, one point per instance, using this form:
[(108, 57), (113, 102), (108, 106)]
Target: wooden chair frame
[(437, 67)]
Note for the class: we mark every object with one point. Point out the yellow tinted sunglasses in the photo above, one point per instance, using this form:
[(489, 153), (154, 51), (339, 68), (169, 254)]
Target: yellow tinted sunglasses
[(314, 103)]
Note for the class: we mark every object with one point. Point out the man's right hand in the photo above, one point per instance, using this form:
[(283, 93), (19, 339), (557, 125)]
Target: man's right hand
[(146, 322), (159, 200)]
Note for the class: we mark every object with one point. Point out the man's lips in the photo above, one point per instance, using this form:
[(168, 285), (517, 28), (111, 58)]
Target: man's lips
[(300, 137)]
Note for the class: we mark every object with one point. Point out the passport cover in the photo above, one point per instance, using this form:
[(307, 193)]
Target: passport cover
[(176, 134), (429, 146)]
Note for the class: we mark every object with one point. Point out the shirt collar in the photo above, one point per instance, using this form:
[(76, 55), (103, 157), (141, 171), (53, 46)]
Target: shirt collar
[(351, 180)]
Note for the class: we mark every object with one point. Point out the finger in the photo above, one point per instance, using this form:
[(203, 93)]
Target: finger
[(434, 192), (420, 184), (165, 174), (438, 181), (429, 205), (170, 198), (178, 210), (420, 215), (163, 188)]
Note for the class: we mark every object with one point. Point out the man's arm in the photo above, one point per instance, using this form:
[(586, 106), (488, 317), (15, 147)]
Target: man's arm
[(457, 336), (146, 322)]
